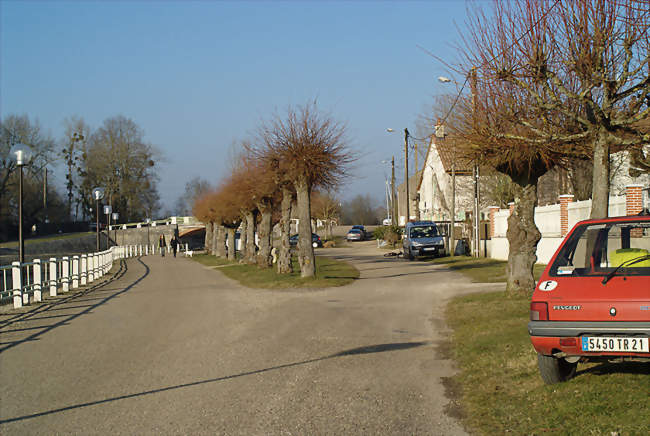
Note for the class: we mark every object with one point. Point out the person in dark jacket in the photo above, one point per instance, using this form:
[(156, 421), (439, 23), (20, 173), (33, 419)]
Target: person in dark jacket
[(162, 244), (174, 244)]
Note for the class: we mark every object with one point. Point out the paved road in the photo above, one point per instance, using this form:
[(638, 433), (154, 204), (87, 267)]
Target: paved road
[(168, 346)]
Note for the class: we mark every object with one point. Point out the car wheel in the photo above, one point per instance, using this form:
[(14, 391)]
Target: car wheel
[(410, 255), (555, 370)]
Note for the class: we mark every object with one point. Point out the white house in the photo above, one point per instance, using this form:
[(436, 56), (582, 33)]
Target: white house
[(436, 181)]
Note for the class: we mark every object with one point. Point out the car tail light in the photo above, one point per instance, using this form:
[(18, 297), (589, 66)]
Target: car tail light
[(568, 342), (538, 311)]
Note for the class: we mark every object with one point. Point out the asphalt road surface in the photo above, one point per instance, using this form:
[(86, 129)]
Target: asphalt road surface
[(168, 346)]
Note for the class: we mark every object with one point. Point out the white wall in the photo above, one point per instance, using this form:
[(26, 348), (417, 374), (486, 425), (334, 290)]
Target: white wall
[(547, 219)]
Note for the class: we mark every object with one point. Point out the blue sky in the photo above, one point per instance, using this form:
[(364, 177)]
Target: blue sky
[(200, 76)]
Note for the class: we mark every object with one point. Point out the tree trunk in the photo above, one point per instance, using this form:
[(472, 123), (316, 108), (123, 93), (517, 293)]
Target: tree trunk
[(221, 241), (215, 235), (600, 187), (250, 237), (284, 255), (242, 238), (523, 237), (305, 250), (208, 237), (230, 231), (264, 233)]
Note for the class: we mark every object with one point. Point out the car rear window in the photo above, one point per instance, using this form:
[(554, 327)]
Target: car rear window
[(597, 249)]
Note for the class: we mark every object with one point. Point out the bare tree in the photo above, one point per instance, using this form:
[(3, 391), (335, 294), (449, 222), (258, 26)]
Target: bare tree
[(312, 149), (16, 129), (327, 208), (586, 62), (118, 159)]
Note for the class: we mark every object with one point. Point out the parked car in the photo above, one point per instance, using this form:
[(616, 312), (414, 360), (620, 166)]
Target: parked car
[(422, 238), (355, 235), (592, 301), (315, 240)]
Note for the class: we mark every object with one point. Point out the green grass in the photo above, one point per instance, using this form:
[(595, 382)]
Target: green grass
[(329, 273), (482, 270), (502, 392), (38, 239)]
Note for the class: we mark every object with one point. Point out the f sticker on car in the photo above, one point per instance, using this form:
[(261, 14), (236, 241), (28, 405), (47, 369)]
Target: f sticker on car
[(548, 285)]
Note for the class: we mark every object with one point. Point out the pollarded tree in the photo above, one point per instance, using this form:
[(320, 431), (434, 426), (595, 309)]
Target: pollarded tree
[(586, 62), (327, 208), (203, 209), (312, 150)]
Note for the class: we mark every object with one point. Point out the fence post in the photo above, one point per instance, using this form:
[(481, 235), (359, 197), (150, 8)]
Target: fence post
[(36, 271), (90, 269), (75, 272), (84, 269), (52, 277), (65, 276), (98, 268), (17, 284)]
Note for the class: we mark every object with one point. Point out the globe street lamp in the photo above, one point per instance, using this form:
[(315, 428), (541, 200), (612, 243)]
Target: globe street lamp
[(107, 211), (98, 194), (23, 156), (115, 217)]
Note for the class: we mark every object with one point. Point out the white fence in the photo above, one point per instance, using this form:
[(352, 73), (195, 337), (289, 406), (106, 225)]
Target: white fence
[(26, 282), (547, 219)]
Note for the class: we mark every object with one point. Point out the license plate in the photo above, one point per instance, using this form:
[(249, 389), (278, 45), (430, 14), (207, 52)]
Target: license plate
[(622, 344), (429, 249)]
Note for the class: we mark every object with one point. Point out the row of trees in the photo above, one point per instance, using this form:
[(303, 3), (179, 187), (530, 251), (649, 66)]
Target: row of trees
[(289, 157), (114, 156), (552, 83)]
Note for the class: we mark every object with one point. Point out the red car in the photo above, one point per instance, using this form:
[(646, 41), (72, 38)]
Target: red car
[(593, 300)]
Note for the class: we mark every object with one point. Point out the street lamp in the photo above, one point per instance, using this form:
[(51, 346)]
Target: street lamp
[(391, 208), (98, 194), (115, 217), (107, 211), (148, 221), (23, 156)]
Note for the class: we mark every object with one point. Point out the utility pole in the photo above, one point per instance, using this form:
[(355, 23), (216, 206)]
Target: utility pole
[(477, 218), (392, 193), (406, 172)]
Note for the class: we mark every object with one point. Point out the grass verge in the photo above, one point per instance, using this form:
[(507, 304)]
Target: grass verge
[(502, 392), (482, 270), (329, 273), (499, 385)]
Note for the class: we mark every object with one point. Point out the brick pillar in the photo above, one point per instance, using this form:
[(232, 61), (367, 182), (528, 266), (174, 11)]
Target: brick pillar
[(634, 205), (492, 210), (633, 199), (564, 213)]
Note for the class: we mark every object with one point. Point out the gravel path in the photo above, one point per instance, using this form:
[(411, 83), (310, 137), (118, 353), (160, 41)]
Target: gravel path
[(171, 347)]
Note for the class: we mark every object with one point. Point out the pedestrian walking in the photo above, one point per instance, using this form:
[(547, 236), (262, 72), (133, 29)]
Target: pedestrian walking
[(174, 244), (162, 244)]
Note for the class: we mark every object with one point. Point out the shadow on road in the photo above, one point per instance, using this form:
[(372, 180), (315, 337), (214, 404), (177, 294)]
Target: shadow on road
[(379, 348), (68, 303)]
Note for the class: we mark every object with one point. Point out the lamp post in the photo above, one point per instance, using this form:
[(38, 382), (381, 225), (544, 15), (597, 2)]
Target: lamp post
[(391, 193), (23, 156), (148, 221), (98, 194), (115, 217), (107, 211)]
